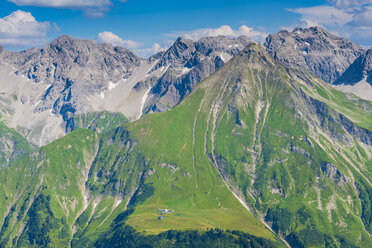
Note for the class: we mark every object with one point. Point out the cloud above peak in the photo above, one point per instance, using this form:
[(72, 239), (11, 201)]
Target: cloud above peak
[(347, 4), (111, 38), (91, 8), (22, 29), (137, 47), (224, 30), (323, 15), (348, 18), (62, 3)]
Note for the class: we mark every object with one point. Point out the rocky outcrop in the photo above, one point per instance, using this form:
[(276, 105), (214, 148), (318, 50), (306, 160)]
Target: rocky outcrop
[(320, 52), (360, 69), (357, 79), (364, 135), (187, 63), (331, 122), (69, 76), (72, 69), (331, 172)]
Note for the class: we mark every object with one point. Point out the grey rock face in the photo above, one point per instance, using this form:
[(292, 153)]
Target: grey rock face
[(63, 56), (329, 120), (187, 63), (44, 88), (176, 55), (61, 78), (320, 52), (331, 172), (360, 69), (72, 69), (357, 79)]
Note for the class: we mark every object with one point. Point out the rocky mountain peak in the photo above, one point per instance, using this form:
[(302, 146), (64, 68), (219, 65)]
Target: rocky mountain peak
[(314, 30), (69, 72), (319, 51), (182, 43), (176, 55), (66, 45), (185, 64), (254, 49), (64, 39), (255, 54), (207, 45), (181, 49), (72, 47)]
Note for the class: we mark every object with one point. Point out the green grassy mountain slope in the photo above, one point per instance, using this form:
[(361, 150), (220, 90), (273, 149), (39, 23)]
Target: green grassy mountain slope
[(12, 145), (102, 121), (254, 144), (295, 150)]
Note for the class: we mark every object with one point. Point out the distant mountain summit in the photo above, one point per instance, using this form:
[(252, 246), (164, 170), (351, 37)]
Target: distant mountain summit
[(176, 55), (357, 79), (322, 53), (50, 85), (186, 63)]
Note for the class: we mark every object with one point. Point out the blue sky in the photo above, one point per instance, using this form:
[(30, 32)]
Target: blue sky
[(147, 26)]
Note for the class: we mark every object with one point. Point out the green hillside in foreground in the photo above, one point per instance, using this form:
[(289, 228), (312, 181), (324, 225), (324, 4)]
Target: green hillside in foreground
[(254, 144)]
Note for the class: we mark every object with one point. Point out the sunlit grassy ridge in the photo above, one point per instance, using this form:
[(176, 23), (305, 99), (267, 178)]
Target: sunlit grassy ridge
[(285, 142)]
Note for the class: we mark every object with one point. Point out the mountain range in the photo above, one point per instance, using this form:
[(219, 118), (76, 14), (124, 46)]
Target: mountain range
[(68, 77), (101, 148)]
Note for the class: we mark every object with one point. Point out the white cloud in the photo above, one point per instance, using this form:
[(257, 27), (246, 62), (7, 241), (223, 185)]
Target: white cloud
[(363, 17), (62, 3), (225, 30), (22, 29), (325, 15), (56, 28), (349, 4), (156, 48), (137, 47), (348, 18), (91, 8), (95, 12), (109, 37), (147, 52)]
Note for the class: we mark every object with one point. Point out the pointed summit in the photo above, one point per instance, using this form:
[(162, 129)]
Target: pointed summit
[(67, 42), (255, 56), (63, 38), (255, 50), (185, 64), (180, 51)]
